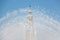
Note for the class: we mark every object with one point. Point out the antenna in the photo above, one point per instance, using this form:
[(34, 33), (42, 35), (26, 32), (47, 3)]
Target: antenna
[(29, 10), (29, 6)]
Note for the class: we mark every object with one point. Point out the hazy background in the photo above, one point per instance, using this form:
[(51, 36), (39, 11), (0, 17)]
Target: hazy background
[(46, 19)]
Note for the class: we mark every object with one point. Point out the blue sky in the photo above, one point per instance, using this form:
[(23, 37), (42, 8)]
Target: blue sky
[(9, 5)]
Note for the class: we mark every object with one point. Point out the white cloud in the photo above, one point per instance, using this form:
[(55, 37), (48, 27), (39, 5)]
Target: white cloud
[(1, 19), (13, 13), (13, 27), (23, 10)]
